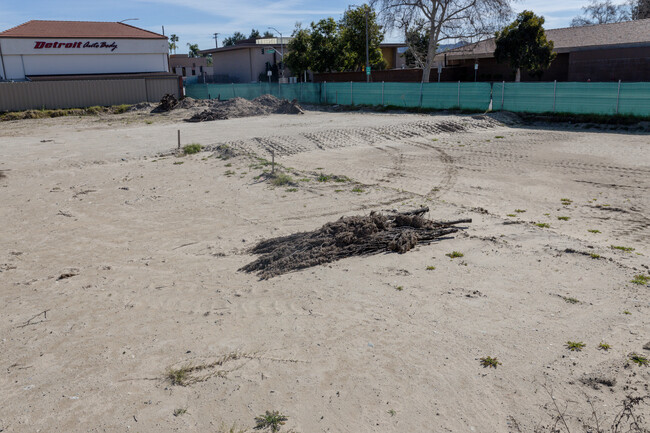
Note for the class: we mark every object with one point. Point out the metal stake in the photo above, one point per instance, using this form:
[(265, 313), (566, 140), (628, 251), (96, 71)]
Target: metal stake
[(179, 139), (382, 93), (503, 91), (554, 94), (459, 95), (351, 94), (618, 95)]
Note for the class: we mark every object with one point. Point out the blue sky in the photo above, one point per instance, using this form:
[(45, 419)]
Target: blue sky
[(195, 21)]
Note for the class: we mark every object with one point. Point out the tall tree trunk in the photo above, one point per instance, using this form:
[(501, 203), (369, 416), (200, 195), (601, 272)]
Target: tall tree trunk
[(431, 52)]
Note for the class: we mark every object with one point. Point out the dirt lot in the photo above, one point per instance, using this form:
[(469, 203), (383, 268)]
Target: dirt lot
[(118, 265)]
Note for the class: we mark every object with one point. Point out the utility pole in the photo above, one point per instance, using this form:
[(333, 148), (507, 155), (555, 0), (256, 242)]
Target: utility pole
[(216, 41)]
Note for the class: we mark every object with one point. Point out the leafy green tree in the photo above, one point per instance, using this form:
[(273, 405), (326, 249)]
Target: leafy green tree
[(267, 34), (417, 42), (353, 38), (172, 44), (299, 58), (232, 40), (523, 45), (326, 46), (255, 34), (194, 50)]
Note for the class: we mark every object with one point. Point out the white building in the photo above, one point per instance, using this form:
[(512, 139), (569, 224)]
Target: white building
[(60, 48)]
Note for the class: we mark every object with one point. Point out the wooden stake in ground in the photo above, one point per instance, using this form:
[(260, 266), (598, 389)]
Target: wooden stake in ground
[(272, 161), (179, 139)]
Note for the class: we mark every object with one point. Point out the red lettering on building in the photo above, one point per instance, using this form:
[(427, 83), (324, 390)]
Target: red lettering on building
[(39, 45)]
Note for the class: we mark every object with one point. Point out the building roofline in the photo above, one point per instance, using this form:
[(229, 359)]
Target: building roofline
[(153, 35)]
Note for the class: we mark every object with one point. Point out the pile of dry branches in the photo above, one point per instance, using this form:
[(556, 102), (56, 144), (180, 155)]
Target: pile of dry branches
[(347, 237)]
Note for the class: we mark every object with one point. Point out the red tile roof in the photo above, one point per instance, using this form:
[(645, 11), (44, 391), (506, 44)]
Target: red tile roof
[(78, 29)]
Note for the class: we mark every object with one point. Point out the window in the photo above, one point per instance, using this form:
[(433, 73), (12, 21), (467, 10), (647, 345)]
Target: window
[(184, 73), (193, 71), (201, 70)]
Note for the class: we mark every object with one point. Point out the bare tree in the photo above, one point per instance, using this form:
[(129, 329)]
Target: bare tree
[(445, 20), (602, 13)]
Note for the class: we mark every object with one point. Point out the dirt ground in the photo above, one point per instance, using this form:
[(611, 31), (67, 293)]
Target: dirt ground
[(119, 265)]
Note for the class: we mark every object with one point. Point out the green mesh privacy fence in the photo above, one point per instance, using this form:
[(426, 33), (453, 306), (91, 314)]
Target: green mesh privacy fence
[(578, 98)]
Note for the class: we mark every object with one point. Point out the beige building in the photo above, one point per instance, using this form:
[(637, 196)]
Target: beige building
[(247, 61)]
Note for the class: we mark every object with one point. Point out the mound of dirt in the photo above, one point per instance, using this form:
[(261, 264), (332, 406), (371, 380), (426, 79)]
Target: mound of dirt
[(240, 107), (347, 237)]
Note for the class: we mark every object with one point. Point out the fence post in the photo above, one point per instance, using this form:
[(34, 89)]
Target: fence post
[(233, 90), (618, 95), (503, 91), (260, 88), (351, 94), (301, 92), (280, 89), (382, 93), (459, 95), (421, 84), (325, 90), (554, 94)]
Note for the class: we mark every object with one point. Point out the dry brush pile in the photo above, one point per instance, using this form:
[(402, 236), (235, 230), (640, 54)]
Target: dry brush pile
[(348, 237)]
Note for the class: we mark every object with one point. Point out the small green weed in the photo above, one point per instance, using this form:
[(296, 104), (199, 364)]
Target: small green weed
[(499, 136), (563, 218), (391, 412), (228, 165), (341, 179), (431, 268), (569, 300), (180, 411), (281, 180), (324, 177), (399, 288), (292, 189), (338, 190), (520, 210), (488, 361), (270, 420), (511, 215), (604, 346), (575, 346), (178, 376), (357, 189), (593, 231), (627, 313), (543, 225), (304, 179), (178, 162), (192, 148), (229, 173), (454, 254), (626, 249), (641, 280), (148, 122), (566, 201), (640, 360), (594, 256)]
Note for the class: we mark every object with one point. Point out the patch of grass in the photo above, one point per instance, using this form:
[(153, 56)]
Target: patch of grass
[(626, 249), (547, 214), (566, 201), (282, 179), (520, 210), (490, 362), (229, 173), (431, 268), (178, 162), (228, 165), (44, 114), (455, 254), (292, 189), (593, 231), (391, 412), (399, 288), (627, 313), (180, 411), (357, 189), (270, 420), (641, 280), (338, 190), (148, 122), (304, 179), (499, 136), (324, 177), (604, 346), (543, 225), (563, 218), (640, 360), (191, 149), (594, 256), (575, 346), (179, 376), (570, 300), (341, 179), (511, 215)]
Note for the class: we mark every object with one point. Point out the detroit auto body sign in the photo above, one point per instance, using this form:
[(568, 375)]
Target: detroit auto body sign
[(42, 45)]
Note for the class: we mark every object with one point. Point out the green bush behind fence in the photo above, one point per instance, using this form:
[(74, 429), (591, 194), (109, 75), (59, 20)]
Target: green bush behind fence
[(547, 97)]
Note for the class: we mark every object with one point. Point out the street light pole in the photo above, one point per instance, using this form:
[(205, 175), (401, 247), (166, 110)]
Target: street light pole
[(281, 48), (367, 52)]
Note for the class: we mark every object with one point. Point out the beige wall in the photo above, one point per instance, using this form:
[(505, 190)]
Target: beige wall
[(244, 64), (78, 94)]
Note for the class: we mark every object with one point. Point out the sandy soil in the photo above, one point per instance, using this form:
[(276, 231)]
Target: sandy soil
[(149, 247)]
